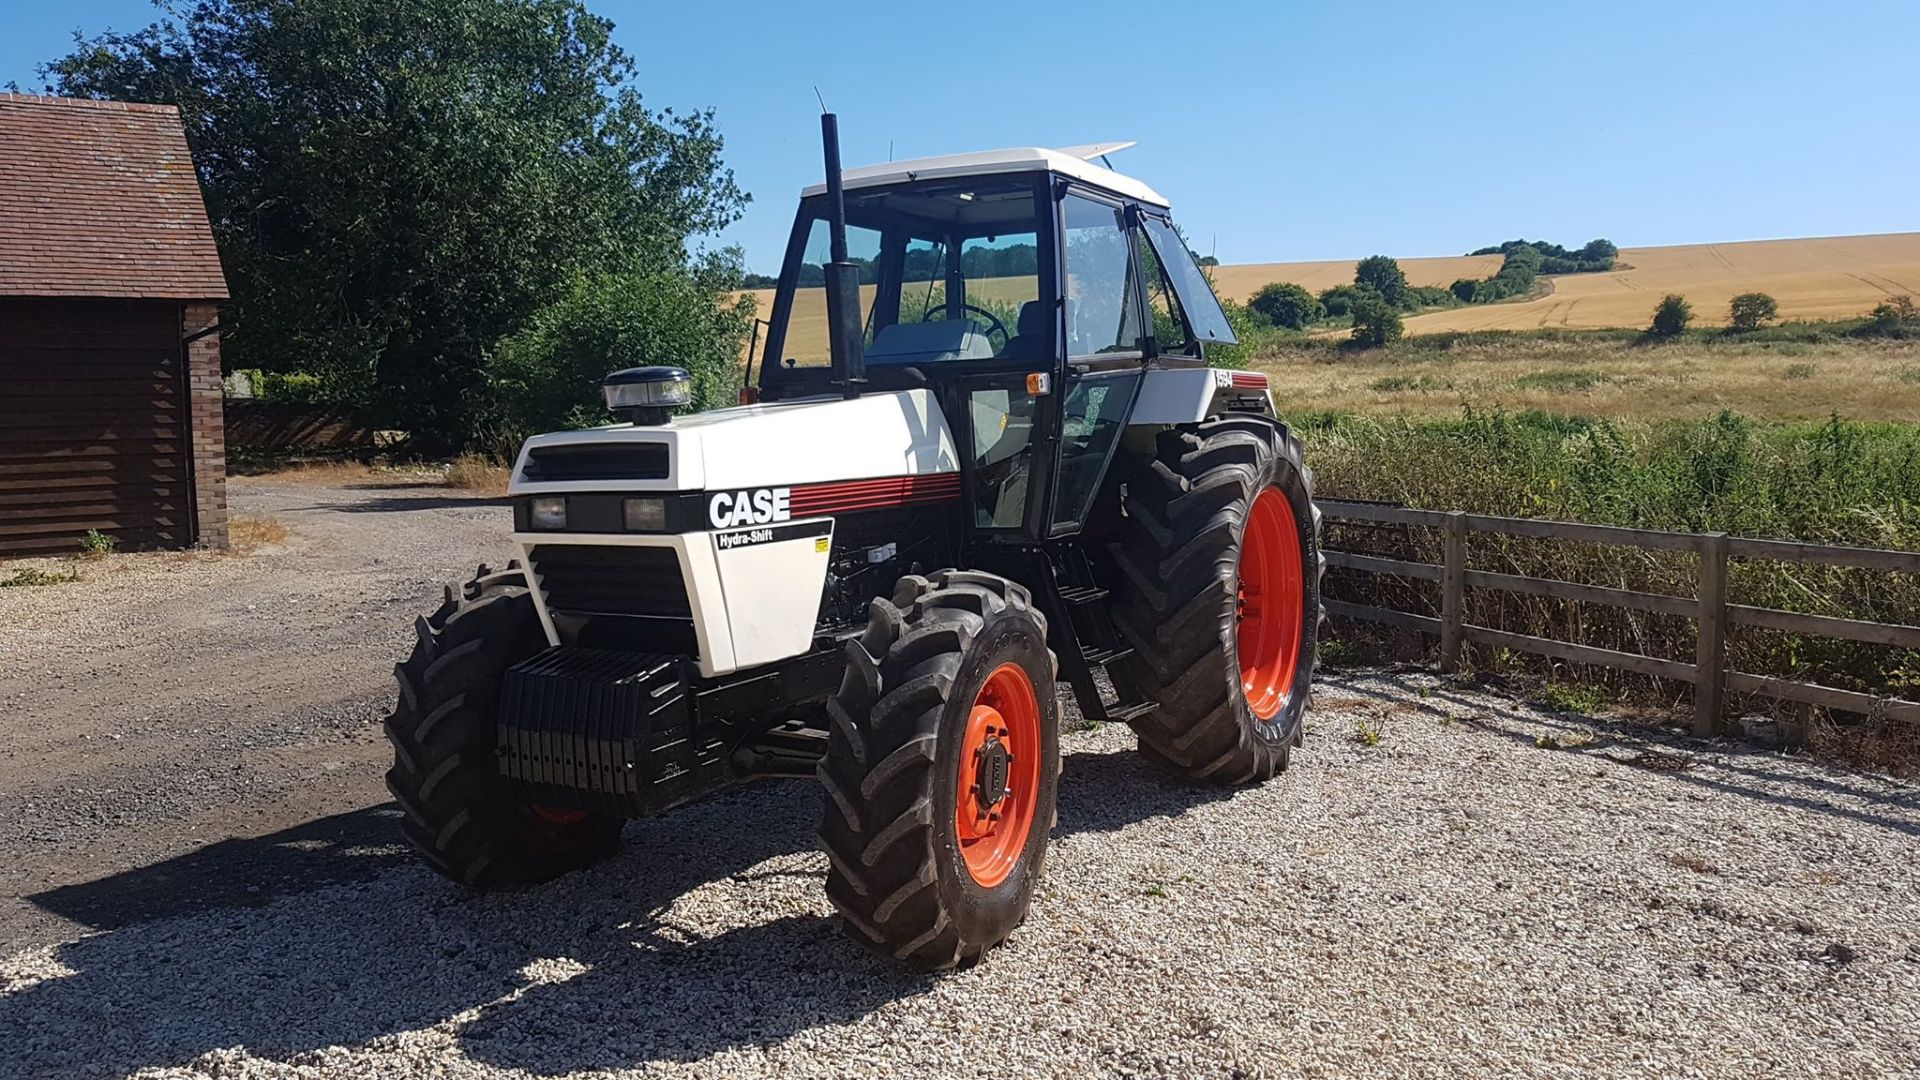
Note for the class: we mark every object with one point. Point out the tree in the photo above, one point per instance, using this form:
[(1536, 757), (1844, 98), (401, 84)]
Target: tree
[(1383, 275), (1671, 316), (1751, 311), (1375, 322), (1286, 304), (1598, 251), (1894, 317), (396, 186)]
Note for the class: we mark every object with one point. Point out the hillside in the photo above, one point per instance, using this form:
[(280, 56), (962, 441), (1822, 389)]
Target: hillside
[(1815, 278)]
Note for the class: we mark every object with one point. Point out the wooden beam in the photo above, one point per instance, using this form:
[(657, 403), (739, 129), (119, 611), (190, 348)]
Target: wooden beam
[(1373, 564), (1582, 654), (1595, 594)]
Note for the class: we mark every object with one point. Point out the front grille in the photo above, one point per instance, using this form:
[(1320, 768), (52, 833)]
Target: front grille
[(611, 580), (597, 461)]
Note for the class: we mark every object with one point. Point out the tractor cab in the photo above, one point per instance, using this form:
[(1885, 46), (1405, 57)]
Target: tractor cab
[(1030, 289)]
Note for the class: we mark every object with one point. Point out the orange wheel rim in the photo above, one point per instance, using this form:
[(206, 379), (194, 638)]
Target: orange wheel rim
[(999, 775), (1269, 609)]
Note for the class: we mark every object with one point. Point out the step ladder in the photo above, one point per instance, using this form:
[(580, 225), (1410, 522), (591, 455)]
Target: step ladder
[(1092, 650)]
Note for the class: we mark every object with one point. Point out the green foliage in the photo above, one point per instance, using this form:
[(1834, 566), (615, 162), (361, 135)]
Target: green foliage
[(1207, 260), (97, 545), (1750, 311), (1384, 276), (1375, 323), (1895, 317), (1573, 697), (1367, 731), (1430, 296), (396, 186), (1798, 372), (1422, 384), (1286, 304), (33, 576), (1249, 328), (1595, 257), (285, 387), (547, 375), (1671, 316), (1339, 300)]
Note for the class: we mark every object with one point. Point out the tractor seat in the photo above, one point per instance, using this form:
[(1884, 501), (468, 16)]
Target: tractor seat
[(1029, 341), (929, 343)]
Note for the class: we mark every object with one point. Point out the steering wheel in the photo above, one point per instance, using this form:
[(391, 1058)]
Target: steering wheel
[(994, 325)]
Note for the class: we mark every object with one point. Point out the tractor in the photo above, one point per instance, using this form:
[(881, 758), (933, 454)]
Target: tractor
[(984, 453)]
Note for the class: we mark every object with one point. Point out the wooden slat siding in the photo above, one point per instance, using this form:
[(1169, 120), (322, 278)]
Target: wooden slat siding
[(1824, 696), (260, 425), (1368, 613), (1373, 564), (1827, 626), (93, 425), (1581, 654), (1826, 554)]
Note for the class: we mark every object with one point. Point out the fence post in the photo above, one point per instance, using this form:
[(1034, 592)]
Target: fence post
[(1453, 579), (1710, 649)]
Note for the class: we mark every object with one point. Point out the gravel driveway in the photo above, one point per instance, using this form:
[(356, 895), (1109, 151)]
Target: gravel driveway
[(199, 879)]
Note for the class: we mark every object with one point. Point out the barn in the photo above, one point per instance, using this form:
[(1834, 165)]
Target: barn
[(110, 293)]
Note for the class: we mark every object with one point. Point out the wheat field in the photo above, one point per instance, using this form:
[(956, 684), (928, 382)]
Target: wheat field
[(1830, 277)]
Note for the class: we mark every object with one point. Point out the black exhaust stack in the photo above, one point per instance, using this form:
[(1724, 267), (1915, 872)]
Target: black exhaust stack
[(846, 337)]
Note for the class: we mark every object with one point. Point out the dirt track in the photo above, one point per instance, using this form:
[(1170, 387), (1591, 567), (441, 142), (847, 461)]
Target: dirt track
[(200, 879)]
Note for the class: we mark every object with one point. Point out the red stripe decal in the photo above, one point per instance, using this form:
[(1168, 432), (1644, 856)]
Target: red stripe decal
[(1245, 381), (809, 500)]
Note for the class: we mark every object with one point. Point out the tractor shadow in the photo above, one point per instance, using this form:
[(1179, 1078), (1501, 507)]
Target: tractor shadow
[(329, 935)]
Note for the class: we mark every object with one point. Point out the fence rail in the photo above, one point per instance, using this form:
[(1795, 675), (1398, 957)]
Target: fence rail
[(1713, 615)]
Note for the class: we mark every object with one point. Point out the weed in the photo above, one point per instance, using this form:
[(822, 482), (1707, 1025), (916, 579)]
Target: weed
[(247, 533), (1348, 653), (1909, 374), (1156, 889), (1798, 372), (1547, 742), (1573, 697), (1367, 732), (1082, 725), (32, 576), (1569, 379), (472, 472), (1458, 825), (97, 545)]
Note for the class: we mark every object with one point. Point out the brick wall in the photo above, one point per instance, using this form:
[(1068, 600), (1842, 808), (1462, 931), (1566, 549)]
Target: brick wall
[(205, 404)]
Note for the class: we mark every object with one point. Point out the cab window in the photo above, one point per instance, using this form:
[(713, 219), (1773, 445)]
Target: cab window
[(1102, 312)]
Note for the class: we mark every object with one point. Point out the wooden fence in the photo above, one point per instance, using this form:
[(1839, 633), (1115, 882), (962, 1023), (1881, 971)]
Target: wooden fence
[(1708, 607)]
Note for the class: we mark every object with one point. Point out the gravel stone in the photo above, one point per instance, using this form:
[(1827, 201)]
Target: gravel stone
[(1490, 890)]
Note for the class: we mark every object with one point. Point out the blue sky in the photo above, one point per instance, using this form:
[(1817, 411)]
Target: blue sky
[(1286, 131)]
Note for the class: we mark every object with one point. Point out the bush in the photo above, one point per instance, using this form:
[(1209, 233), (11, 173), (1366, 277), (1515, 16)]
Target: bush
[(97, 545), (547, 376), (1751, 311), (1430, 296), (1384, 276), (1894, 318), (1375, 323), (1671, 316), (1286, 304), (1340, 299)]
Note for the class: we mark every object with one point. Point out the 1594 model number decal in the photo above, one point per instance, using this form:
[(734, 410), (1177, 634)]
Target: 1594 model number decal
[(760, 506)]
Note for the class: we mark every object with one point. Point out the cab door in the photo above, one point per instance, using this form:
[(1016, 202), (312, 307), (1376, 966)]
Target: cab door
[(1106, 350)]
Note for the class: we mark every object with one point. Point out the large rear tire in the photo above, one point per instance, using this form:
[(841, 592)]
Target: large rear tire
[(941, 769), (467, 821), (1220, 597)]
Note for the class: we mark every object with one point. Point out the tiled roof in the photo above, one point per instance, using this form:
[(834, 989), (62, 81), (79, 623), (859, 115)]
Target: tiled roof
[(99, 198)]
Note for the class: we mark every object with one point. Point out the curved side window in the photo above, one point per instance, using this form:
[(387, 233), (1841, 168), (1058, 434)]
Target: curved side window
[(1208, 322)]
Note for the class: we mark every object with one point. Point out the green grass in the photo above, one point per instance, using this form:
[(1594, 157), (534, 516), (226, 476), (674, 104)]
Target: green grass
[(1910, 374), (1573, 697), (33, 576), (1572, 379), (1424, 384), (1798, 372), (1833, 482), (1367, 732)]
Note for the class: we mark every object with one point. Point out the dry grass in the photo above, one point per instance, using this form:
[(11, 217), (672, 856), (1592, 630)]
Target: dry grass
[(324, 473), (1880, 744), (248, 533), (1602, 376), (472, 472)]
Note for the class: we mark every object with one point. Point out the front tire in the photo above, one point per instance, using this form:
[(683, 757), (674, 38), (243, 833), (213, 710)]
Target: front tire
[(462, 816), (1220, 598), (941, 769)]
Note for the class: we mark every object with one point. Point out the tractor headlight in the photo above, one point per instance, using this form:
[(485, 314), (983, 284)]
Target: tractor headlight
[(647, 395), (548, 512), (646, 515)]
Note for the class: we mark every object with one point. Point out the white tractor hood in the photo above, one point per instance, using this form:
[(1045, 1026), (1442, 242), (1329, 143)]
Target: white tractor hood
[(792, 442)]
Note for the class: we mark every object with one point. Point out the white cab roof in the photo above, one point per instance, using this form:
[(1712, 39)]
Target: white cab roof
[(988, 162)]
